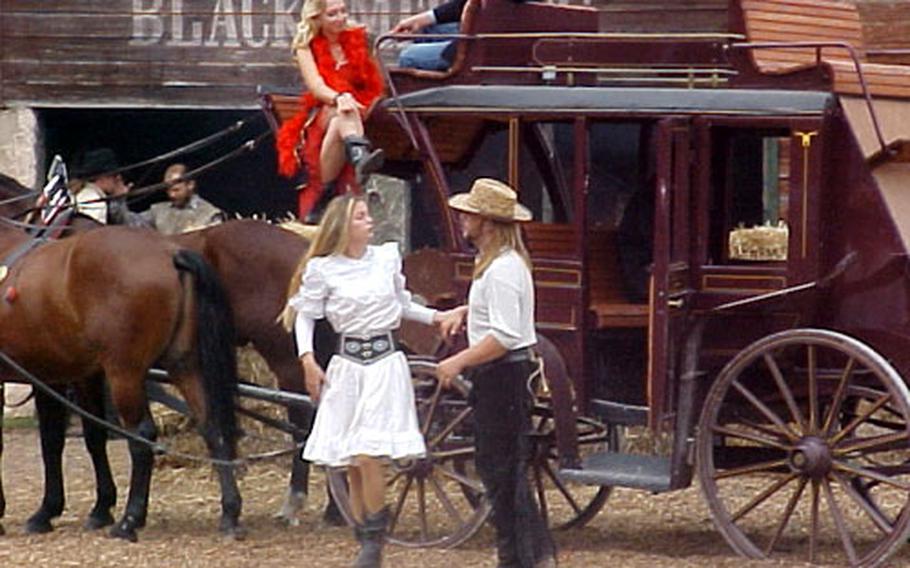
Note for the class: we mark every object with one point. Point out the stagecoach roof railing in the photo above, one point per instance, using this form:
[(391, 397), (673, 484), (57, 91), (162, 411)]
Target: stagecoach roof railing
[(698, 37), (818, 46)]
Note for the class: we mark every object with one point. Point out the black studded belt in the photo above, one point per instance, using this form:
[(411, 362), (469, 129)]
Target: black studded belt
[(366, 350)]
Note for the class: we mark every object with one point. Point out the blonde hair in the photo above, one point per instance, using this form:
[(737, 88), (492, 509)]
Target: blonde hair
[(308, 27), (331, 238), (505, 235)]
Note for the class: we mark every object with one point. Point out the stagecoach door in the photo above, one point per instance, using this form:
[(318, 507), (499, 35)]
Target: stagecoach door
[(669, 284)]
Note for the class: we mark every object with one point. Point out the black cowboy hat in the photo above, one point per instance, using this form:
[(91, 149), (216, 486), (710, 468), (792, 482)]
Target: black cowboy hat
[(94, 162)]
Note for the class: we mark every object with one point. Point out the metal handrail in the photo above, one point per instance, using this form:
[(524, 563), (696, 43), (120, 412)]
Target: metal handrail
[(818, 46)]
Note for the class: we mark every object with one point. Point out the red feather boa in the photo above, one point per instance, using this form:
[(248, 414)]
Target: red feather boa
[(359, 76)]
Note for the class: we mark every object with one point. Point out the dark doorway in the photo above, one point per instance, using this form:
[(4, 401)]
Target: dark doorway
[(245, 185)]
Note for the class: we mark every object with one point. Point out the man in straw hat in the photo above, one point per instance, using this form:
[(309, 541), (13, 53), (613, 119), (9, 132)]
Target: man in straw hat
[(498, 360)]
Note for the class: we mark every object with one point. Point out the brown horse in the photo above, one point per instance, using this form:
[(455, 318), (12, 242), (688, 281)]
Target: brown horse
[(111, 303), (255, 261)]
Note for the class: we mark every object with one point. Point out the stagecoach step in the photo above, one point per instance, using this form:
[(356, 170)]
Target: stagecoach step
[(611, 412), (651, 473)]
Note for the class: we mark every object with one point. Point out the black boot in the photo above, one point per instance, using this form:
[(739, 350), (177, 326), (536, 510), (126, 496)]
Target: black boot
[(364, 159), (371, 536)]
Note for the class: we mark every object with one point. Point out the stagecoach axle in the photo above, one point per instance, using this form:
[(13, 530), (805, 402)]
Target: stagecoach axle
[(811, 457)]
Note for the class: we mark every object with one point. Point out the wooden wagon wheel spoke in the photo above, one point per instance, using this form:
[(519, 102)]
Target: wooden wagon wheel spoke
[(422, 508), (473, 484), (873, 444), (763, 408), (812, 367), (750, 437), (769, 465), (839, 522), (563, 490), (813, 520), (541, 493), (449, 428), (444, 499), (787, 515), (763, 496), (785, 391), (767, 430), (885, 525), (399, 504), (433, 403), (869, 474), (856, 422), (838, 400)]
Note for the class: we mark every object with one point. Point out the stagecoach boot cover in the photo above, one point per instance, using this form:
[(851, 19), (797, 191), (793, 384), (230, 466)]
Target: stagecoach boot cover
[(365, 407), (299, 140)]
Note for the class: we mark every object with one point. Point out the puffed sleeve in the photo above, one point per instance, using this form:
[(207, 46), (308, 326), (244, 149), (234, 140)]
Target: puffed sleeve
[(410, 309), (310, 298)]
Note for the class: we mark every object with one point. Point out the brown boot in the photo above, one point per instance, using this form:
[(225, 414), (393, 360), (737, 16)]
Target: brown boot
[(371, 535)]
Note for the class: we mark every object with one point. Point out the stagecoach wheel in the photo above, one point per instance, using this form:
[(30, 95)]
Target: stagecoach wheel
[(804, 450), (564, 505), (432, 502)]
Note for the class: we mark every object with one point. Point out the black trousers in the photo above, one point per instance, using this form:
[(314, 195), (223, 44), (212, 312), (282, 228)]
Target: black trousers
[(502, 421)]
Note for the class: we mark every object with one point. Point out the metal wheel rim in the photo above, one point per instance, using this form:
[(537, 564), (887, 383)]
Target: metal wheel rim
[(810, 477)]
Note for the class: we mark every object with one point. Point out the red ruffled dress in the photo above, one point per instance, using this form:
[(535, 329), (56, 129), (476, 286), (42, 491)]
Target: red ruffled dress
[(299, 140)]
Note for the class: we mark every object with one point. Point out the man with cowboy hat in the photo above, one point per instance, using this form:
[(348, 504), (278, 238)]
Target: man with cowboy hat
[(95, 181), (498, 361)]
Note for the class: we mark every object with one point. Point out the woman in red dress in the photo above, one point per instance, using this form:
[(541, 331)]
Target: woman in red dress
[(342, 85)]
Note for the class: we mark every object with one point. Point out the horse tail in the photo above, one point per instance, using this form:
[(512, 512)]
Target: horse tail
[(215, 346)]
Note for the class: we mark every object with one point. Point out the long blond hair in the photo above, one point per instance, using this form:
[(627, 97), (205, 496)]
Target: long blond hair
[(308, 27), (504, 235), (331, 238)]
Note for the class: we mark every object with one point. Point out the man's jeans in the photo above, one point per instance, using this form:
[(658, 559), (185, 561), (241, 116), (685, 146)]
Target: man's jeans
[(430, 54)]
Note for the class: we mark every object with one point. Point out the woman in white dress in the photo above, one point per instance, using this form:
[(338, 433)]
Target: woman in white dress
[(366, 401)]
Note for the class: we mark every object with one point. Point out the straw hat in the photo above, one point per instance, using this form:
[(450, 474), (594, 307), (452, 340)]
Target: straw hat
[(491, 198)]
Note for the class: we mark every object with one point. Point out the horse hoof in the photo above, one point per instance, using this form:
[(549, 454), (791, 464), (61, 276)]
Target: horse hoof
[(235, 533), (99, 521), (332, 517), (38, 526), (2, 530), (124, 531), (294, 503)]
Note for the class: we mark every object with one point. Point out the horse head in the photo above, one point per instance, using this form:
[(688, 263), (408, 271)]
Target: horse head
[(15, 198)]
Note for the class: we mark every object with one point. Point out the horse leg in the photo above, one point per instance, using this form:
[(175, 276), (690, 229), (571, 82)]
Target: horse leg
[(190, 387), (280, 358), (92, 399), (52, 419), (129, 400)]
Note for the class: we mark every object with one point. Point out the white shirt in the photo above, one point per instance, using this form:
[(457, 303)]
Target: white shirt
[(96, 210), (359, 296), (501, 303)]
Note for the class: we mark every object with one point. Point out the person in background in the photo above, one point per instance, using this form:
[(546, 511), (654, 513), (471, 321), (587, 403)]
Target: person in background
[(95, 180), (342, 84), (432, 54), (184, 211), (499, 361), (366, 410)]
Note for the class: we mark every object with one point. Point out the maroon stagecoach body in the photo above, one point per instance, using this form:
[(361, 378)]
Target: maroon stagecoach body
[(720, 250)]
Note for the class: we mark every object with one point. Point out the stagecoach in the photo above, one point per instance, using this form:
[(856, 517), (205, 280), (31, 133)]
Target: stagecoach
[(720, 243)]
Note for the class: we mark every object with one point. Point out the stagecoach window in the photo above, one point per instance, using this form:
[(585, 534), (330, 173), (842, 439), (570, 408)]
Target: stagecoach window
[(750, 179), (544, 153)]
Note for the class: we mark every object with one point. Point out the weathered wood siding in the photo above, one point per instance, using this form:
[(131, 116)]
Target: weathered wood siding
[(196, 53)]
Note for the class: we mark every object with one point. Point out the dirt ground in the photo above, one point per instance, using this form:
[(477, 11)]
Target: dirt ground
[(633, 530)]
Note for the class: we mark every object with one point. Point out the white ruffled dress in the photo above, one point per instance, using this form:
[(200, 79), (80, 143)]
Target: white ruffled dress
[(364, 409)]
